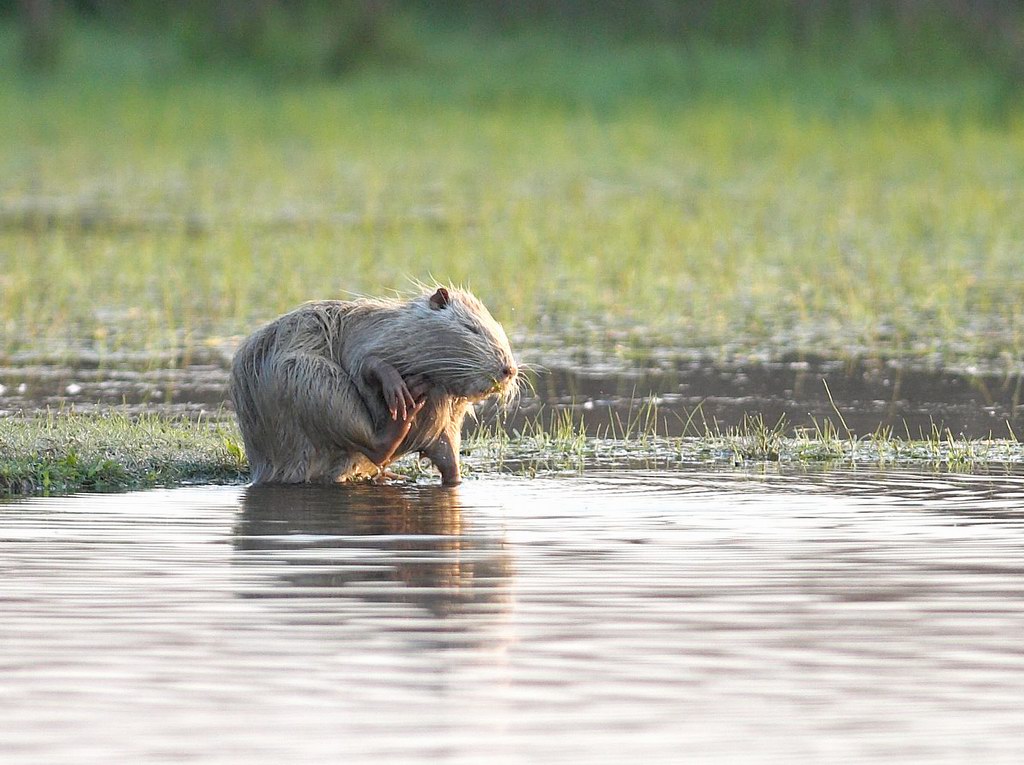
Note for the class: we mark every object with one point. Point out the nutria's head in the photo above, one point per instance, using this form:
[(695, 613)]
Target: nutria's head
[(464, 350)]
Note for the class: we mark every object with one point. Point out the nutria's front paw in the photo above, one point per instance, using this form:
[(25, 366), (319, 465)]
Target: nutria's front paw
[(446, 459), (399, 399)]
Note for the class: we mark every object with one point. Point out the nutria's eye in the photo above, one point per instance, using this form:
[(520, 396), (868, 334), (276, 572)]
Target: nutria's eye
[(474, 330)]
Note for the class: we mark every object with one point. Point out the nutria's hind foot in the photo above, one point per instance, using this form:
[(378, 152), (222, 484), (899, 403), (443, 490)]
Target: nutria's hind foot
[(391, 436), (385, 476)]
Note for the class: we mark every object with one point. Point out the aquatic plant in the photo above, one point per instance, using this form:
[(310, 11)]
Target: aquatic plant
[(611, 199)]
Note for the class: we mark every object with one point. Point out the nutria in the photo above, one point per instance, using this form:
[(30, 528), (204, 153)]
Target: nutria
[(338, 389)]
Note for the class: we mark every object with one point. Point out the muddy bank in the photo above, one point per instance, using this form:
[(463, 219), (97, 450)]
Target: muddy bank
[(691, 396)]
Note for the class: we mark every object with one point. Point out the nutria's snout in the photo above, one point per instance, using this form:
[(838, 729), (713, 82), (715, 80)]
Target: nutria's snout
[(503, 382), (506, 382)]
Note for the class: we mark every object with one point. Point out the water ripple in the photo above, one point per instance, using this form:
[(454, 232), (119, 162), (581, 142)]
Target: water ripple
[(858, 616)]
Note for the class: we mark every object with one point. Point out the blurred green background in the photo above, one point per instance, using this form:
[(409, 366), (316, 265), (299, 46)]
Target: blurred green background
[(744, 179)]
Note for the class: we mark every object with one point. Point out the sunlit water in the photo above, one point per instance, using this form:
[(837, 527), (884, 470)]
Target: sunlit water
[(671, 617)]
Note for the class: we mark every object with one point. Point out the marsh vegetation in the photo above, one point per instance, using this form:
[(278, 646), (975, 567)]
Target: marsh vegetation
[(613, 193), (621, 201), (65, 452)]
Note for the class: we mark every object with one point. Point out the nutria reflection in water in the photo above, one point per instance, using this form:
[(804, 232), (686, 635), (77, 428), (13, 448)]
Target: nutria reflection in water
[(353, 541), (336, 390)]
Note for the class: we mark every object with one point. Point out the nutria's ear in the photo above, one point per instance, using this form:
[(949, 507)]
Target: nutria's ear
[(440, 299)]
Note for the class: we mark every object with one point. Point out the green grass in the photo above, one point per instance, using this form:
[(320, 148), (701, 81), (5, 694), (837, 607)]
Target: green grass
[(559, 444), (67, 452), (617, 197)]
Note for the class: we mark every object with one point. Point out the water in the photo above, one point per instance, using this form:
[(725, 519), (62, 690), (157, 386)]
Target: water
[(690, 394), (630, 617)]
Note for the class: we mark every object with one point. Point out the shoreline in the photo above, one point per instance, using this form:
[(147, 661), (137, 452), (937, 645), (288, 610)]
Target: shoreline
[(66, 452)]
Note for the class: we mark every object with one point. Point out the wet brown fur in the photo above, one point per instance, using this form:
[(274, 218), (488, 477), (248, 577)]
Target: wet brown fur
[(306, 410)]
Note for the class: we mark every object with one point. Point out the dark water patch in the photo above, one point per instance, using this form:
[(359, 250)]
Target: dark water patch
[(860, 396), (193, 389), (690, 397), (754, 616)]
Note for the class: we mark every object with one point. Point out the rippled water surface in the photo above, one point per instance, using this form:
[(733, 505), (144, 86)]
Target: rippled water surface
[(670, 617)]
